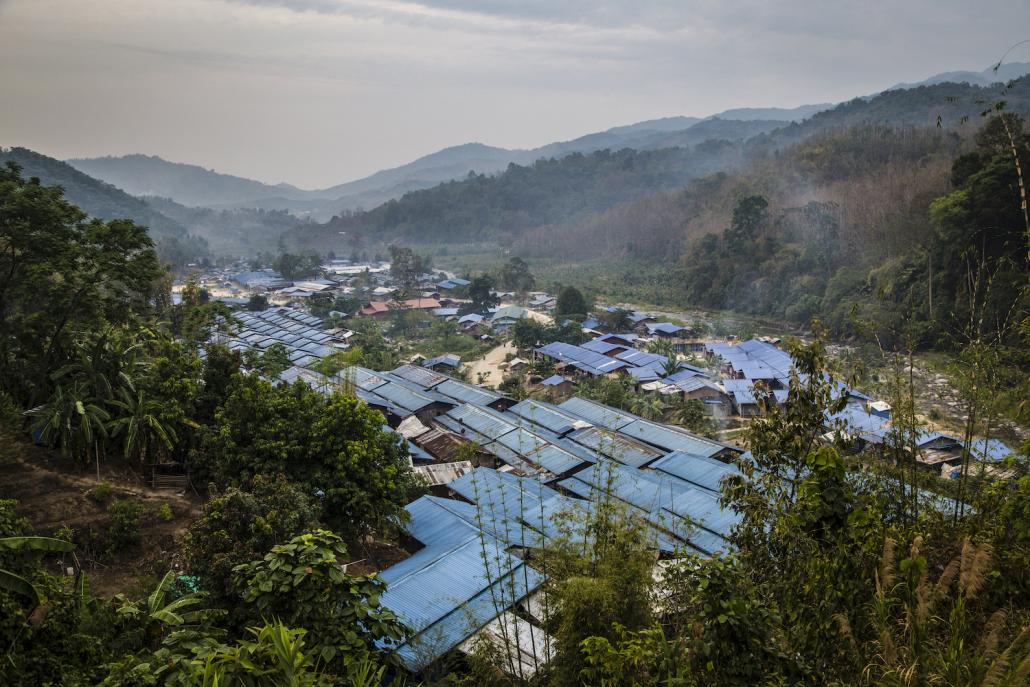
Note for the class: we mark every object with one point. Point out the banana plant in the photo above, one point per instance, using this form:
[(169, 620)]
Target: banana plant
[(164, 618), (17, 584)]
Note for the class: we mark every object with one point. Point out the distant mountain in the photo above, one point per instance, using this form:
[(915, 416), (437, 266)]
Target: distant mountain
[(779, 114), (149, 175), (541, 200), (1005, 73), (241, 232), (195, 186)]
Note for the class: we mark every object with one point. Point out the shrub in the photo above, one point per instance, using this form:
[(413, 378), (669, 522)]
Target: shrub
[(165, 513), (123, 527), (100, 494)]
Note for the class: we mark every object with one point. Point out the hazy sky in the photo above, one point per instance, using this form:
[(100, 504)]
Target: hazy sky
[(317, 92)]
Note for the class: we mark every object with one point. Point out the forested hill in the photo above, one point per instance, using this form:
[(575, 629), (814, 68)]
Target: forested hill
[(102, 200), (149, 175), (242, 232), (481, 207), (571, 189)]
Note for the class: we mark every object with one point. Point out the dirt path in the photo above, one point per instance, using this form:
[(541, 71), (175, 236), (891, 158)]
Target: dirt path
[(52, 495), (540, 317), (489, 365)]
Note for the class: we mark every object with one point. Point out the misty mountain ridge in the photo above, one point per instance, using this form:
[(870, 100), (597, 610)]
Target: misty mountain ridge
[(987, 77), (196, 186)]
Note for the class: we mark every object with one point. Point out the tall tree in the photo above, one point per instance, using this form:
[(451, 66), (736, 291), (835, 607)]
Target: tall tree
[(571, 303), (332, 445), (481, 293), (515, 276)]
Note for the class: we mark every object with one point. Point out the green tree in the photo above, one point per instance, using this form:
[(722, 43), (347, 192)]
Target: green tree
[(599, 580), (107, 275), (257, 303), (406, 266), (690, 413), (74, 421), (302, 583), (331, 444), (528, 333), (616, 320), (298, 265), (271, 362), (514, 275), (481, 293), (13, 546), (570, 304), (140, 426), (240, 525), (749, 220)]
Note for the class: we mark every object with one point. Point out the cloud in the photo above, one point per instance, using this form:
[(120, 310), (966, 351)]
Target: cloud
[(316, 92)]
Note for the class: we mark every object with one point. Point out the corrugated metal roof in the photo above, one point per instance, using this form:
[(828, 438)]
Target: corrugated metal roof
[(468, 618), (423, 377), (527, 647), (402, 396), (642, 358), (546, 415), (597, 413), (620, 448), (671, 439), (602, 347), (588, 361), (467, 393), (364, 378), (521, 441), (488, 423), (700, 470), (461, 580)]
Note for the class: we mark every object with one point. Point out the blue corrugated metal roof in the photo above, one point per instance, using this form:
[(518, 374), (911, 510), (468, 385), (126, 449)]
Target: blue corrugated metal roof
[(445, 359), (488, 423), (989, 449), (588, 361), (642, 358), (597, 413), (420, 376), (665, 328), (671, 439), (616, 446), (545, 415), (603, 347), (643, 374), (696, 469), (467, 393), (403, 397)]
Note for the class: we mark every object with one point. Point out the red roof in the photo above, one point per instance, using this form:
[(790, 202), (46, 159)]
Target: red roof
[(377, 307)]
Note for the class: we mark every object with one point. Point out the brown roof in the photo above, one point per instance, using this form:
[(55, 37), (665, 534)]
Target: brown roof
[(440, 444), (422, 303), (376, 307)]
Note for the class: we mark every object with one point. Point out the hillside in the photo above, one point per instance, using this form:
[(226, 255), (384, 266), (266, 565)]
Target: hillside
[(100, 199), (241, 232), (1005, 72), (500, 207), (195, 186), (149, 175), (553, 200)]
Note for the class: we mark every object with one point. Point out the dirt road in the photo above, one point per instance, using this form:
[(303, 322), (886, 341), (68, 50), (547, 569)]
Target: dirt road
[(489, 365)]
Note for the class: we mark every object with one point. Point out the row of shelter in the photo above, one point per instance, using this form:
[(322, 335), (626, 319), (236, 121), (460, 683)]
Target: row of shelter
[(506, 476)]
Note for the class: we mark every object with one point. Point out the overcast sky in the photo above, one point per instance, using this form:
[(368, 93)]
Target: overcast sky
[(317, 92)]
